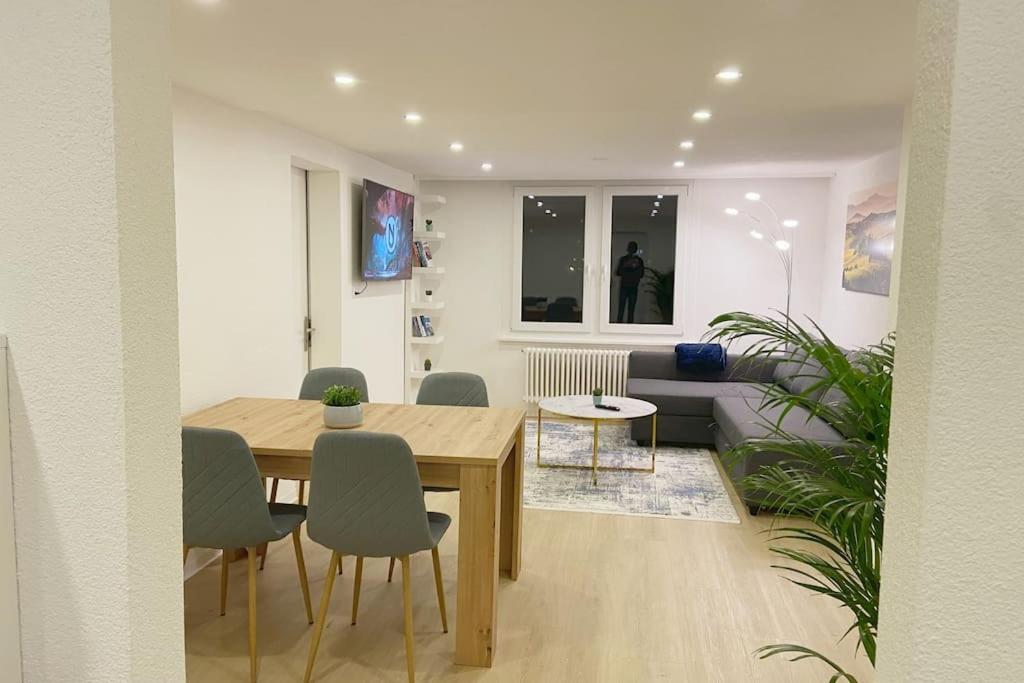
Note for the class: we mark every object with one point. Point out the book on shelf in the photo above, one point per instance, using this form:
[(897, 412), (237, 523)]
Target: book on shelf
[(427, 325), (417, 327), (421, 252)]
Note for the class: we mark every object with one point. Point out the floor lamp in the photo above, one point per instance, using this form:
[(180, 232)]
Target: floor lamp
[(780, 231)]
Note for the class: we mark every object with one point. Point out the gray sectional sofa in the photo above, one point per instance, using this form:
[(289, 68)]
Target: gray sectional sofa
[(721, 409)]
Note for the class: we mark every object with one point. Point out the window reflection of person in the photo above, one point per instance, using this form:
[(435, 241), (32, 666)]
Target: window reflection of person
[(630, 272)]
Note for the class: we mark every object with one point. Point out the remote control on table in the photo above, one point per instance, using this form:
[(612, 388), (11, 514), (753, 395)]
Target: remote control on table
[(604, 407)]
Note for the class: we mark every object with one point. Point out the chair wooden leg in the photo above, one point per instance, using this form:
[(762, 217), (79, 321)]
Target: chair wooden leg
[(303, 579), (253, 662), (391, 569), (325, 601), (225, 562), (302, 492), (273, 491), (263, 558), (355, 589), (440, 588), (410, 660), (184, 554)]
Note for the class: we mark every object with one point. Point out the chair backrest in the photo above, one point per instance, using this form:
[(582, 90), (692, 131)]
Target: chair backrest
[(224, 504), (453, 389), (317, 381), (365, 496)]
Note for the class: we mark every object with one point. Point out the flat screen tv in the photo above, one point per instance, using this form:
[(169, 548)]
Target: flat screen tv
[(387, 233)]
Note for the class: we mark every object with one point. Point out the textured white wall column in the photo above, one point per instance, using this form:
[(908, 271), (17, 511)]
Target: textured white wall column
[(953, 570), (88, 301)]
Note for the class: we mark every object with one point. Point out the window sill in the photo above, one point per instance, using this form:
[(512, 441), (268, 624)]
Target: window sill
[(590, 339)]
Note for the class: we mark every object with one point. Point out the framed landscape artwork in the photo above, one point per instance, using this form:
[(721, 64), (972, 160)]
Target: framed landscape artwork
[(870, 240)]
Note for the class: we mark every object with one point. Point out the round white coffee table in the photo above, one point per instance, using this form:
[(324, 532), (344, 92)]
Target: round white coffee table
[(582, 407)]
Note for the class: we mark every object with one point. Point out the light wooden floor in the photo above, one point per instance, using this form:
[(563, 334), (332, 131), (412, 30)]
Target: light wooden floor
[(601, 598)]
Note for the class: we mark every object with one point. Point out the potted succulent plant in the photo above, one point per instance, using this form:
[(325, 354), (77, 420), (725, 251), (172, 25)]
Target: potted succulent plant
[(598, 395), (342, 409)]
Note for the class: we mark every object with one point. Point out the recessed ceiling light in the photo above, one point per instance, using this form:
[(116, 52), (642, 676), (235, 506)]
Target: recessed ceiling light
[(657, 203), (756, 235), (547, 210), (529, 196), (686, 144), (679, 164), (781, 245), (413, 117), (554, 215), (729, 75), (732, 212), (701, 115), (752, 196), (344, 80), (661, 196), (538, 203), (654, 211), (487, 166), (455, 147), (790, 223)]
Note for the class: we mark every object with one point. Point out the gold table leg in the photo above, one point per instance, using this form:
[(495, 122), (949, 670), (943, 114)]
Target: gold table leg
[(594, 467), (538, 435), (654, 439)]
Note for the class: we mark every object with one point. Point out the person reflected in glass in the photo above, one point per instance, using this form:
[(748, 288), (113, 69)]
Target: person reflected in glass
[(630, 272)]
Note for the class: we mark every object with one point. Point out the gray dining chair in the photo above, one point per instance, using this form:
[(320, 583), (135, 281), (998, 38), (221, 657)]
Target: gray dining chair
[(448, 389), (453, 389), (365, 499), (313, 386), (224, 506)]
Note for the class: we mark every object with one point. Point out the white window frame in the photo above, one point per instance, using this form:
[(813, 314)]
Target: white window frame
[(604, 281), (589, 253)]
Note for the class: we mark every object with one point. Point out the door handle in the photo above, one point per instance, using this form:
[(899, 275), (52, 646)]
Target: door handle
[(307, 333)]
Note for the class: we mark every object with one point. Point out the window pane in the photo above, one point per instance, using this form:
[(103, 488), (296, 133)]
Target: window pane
[(643, 261), (553, 231)]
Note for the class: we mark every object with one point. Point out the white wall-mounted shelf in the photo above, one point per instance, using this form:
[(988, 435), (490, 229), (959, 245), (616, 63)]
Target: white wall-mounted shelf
[(418, 349), (436, 339), (427, 305), (420, 374), (432, 271)]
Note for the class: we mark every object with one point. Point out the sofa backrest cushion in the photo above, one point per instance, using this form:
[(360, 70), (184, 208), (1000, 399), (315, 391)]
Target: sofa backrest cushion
[(798, 373), (662, 365)]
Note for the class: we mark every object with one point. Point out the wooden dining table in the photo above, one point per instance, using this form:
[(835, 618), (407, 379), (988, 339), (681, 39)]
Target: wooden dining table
[(476, 450)]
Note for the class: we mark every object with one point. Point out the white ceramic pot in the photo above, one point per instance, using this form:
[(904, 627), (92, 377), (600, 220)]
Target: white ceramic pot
[(343, 417)]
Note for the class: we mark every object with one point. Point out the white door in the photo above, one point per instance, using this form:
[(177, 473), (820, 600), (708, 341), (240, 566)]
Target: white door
[(300, 232)]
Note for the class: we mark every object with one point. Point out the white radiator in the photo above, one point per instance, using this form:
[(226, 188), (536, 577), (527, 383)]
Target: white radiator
[(560, 371)]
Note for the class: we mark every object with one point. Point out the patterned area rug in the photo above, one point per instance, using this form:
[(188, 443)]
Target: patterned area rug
[(686, 484)]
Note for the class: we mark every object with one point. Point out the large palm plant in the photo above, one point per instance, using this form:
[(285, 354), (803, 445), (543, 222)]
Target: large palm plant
[(841, 491)]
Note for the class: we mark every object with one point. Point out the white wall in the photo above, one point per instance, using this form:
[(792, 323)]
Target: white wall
[(854, 318), (88, 302), (731, 271), (953, 566), (239, 292)]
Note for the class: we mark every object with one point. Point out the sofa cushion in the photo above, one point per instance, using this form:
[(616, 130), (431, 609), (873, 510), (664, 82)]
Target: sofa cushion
[(688, 397), (740, 419), (799, 373)]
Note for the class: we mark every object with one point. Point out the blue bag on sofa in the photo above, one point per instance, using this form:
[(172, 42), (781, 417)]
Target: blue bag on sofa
[(700, 357)]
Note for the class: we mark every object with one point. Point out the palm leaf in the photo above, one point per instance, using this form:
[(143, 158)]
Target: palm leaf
[(839, 490)]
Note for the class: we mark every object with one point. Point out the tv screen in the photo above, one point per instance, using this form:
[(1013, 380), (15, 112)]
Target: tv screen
[(387, 233)]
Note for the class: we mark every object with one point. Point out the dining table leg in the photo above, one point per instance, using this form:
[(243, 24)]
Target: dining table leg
[(476, 608), (510, 554)]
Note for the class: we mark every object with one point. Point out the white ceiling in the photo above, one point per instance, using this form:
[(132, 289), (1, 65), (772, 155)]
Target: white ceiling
[(565, 88)]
